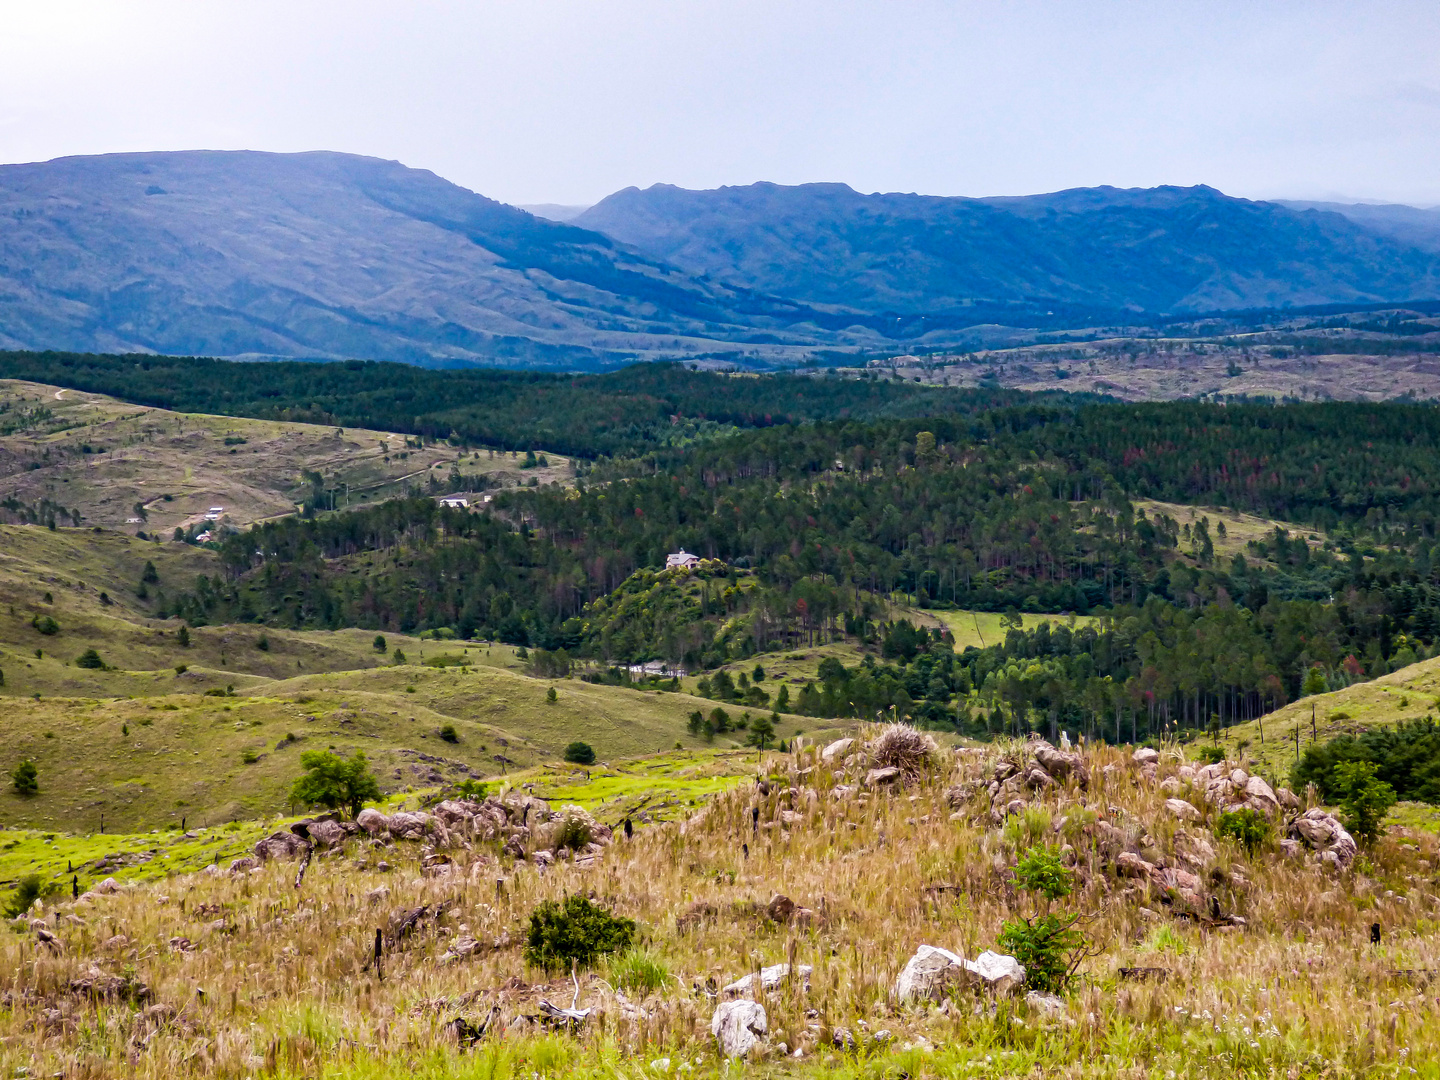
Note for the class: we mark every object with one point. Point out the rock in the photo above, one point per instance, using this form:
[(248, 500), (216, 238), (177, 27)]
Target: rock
[(1171, 786), (877, 777), (1146, 755), (108, 887), (1128, 864), (1324, 833), (1062, 765), (843, 791), (1001, 974), (378, 896), (770, 978), (838, 750), (928, 973), (280, 845), (243, 865), (1045, 1004), (1181, 809), (1260, 796), (327, 834), (780, 908), (1207, 773), (738, 1027), (1239, 778), (1185, 773), (1292, 849), (1288, 799), (1036, 777), (373, 821)]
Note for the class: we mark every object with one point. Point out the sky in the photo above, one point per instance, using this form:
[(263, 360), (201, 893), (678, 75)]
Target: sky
[(565, 102)]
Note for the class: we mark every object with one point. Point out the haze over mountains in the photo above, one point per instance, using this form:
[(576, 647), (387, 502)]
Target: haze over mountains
[(327, 255)]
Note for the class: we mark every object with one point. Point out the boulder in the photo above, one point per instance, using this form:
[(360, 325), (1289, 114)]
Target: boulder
[(280, 845), (1062, 765), (780, 908), (1128, 864), (328, 834), (838, 750), (1146, 755), (1045, 1004), (928, 973), (770, 979), (1288, 799), (373, 821), (738, 1027), (1181, 809), (1324, 833), (1000, 974)]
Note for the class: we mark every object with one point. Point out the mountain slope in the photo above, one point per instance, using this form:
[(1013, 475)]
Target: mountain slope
[(1413, 225), (1160, 249), (329, 255)]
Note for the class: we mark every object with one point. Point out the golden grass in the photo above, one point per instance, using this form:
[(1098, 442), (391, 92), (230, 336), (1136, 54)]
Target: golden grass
[(278, 984)]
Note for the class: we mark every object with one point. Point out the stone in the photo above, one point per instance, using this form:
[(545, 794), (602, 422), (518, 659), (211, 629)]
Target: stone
[(1239, 778), (877, 777), (838, 750), (280, 845), (1128, 864), (780, 908), (1260, 796), (1001, 974), (928, 973), (770, 978), (1288, 799), (1146, 755), (373, 821), (738, 1027), (1045, 1004), (108, 887), (1292, 849), (1324, 833), (1171, 785), (1062, 765), (843, 791), (1181, 809)]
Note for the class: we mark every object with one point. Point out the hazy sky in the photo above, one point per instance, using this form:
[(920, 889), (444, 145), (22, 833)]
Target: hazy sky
[(552, 101)]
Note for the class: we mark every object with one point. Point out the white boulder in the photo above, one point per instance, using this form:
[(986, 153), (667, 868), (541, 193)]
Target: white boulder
[(738, 1027)]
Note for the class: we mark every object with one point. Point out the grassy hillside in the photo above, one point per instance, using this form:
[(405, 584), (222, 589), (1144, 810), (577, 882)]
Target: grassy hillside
[(1299, 990), (100, 457)]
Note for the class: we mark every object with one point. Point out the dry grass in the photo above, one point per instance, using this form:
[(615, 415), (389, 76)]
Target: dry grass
[(278, 984)]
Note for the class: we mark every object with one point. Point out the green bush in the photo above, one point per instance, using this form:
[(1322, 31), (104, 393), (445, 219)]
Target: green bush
[(1248, 827), (45, 624), (574, 834), (27, 891), (90, 659), (25, 777), (332, 781), (1048, 945), (1406, 756), (1212, 755), (579, 753), (449, 734), (379, 644), (1365, 799), (576, 931)]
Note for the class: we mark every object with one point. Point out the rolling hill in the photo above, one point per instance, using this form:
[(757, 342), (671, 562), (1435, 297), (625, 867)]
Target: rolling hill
[(1153, 250)]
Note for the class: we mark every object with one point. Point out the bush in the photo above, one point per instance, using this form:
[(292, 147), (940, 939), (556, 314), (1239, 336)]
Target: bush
[(579, 753), (1049, 945), (1365, 799), (379, 644), (262, 643), (901, 747), (762, 732), (576, 931), (471, 789), (90, 659), (550, 696), (1212, 755), (449, 734), (25, 777), (1406, 756), (27, 891), (45, 624), (1248, 827), (181, 669), (183, 636), (249, 757)]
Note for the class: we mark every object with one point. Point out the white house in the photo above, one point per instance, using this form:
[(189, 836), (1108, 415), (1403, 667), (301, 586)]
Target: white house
[(682, 559), (456, 502)]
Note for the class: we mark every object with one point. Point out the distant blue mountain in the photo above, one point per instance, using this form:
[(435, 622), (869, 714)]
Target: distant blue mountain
[(1166, 249)]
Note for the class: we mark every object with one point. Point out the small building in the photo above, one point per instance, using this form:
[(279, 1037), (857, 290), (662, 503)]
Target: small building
[(681, 559), (205, 537), (455, 502)]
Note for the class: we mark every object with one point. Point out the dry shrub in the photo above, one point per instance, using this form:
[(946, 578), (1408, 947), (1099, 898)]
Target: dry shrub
[(900, 746)]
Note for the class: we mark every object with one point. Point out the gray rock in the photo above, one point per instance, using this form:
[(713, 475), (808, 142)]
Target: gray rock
[(928, 973), (1001, 974), (1146, 755), (1181, 809), (738, 1027), (877, 777), (770, 978), (838, 750), (1324, 833)]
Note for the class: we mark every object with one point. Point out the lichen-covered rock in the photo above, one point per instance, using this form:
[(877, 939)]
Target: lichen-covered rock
[(1000, 974), (882, 777), (1181, 809), (373, 821), (1146, 755), (1061, 765), (928, 973), (1324, 833), (280, 845), (738, 1027)]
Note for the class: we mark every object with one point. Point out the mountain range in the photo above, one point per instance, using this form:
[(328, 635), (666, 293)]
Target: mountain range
[(327, 255)]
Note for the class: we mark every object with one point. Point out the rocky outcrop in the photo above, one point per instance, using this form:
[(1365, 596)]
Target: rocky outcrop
[(932, 971), (1324, 834)]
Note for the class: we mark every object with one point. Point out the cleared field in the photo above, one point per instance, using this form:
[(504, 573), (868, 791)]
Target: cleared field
[(984, 628), (1240, 529), (101, 458)]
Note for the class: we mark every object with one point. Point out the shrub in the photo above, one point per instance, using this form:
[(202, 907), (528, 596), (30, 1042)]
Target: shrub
[(1028, 827), (25, 777), (181, 669), (1365, 799), (45, 624), (90, 659), (262, 643), (762, 732), (471, 789), (1248, 827), (398, 656), (183, 636), (379, 644), (576, 931), (1406, 756), (900, 746), (27, 891), (1212, 755), (579, 753), (249, 757), (638, 972), (449, 734), (332, 781), (1048, 945), (550, 696)]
